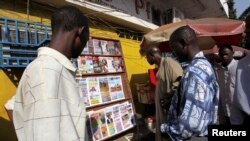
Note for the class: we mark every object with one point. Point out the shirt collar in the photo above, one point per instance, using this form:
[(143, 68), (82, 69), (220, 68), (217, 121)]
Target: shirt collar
[(161, 63), (231, 63), (199, 54), (220, 66), (46, 51)]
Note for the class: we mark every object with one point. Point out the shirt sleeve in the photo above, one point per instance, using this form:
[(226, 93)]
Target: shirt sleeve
[(10, 103), (192, 118), (44, 111)]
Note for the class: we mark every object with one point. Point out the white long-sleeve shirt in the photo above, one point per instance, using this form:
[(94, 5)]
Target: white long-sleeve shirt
[(226, 79), (47, 105), (242, 91)]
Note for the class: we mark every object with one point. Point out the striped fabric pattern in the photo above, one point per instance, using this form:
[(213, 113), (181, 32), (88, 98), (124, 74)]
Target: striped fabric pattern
[(199, 97)]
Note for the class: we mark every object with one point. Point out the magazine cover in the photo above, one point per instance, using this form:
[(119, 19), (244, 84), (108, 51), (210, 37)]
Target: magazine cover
[(107, 64), (88, 125), (117, 119), (117, 64), (103, 125), (82, 66), (83, 86), (89, 64), (110, 64), (115, 87), (97, 46), (111, 48), (104, 47), (85, 49), (126, 116), (104, 88), (131, 114), (95, 122), (103, 64), (110, 120), (94, 91), (91, 46), (75, 64), (117, 48), (96, 65)]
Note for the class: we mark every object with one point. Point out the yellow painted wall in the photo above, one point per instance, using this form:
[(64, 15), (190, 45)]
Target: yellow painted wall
[(14, 9), (136, 65)]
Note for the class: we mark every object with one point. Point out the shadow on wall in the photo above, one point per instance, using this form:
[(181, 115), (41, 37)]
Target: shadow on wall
[(7, 130), (14, 75)]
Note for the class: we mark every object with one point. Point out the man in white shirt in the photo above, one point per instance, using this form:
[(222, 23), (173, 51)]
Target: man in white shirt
[(225, 72), (242, 89), (47, 105)]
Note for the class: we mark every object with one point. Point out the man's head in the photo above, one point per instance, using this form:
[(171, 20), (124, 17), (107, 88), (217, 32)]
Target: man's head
[(153, 54), (226, 54), (184, 44), (70, 20), (247, 31)]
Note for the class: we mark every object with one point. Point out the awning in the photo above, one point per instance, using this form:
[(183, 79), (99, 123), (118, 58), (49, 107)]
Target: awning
[(210, 31)]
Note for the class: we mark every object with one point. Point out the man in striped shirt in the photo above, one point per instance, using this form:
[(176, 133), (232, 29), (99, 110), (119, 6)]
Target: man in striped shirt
[(195, 105)]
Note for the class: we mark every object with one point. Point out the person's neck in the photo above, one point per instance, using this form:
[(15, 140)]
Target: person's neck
[(192, 54), (225, 64), (62, 42), (158, 61)]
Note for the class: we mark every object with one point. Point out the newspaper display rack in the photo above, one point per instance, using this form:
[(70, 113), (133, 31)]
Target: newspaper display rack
[(104, 88)]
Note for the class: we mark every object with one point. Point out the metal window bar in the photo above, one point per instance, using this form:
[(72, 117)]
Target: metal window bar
[(11, 30), (19, 41)]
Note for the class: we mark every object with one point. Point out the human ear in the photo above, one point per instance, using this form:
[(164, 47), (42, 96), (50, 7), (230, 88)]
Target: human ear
[(80, 29), (183, 42)]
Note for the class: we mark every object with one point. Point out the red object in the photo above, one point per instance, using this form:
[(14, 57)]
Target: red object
[(152, 77)]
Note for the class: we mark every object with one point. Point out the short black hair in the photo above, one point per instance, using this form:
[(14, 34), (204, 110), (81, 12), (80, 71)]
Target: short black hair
[(222, 47), (184, 34), (68, 17)]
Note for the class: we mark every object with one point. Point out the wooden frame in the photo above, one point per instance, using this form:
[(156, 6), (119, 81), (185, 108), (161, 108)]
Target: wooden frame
[(125, 83)]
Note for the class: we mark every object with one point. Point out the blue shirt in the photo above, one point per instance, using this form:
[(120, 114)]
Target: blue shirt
[(199, 97)]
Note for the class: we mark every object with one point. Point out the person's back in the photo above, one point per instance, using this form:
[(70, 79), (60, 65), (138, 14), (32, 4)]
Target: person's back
[(204, 80), (47, 105), (199, 82), (195, 105), (168, 76), (241, 108), (241, 100)]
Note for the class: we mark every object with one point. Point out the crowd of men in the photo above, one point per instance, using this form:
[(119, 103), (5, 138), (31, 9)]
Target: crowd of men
[(202, 93)]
